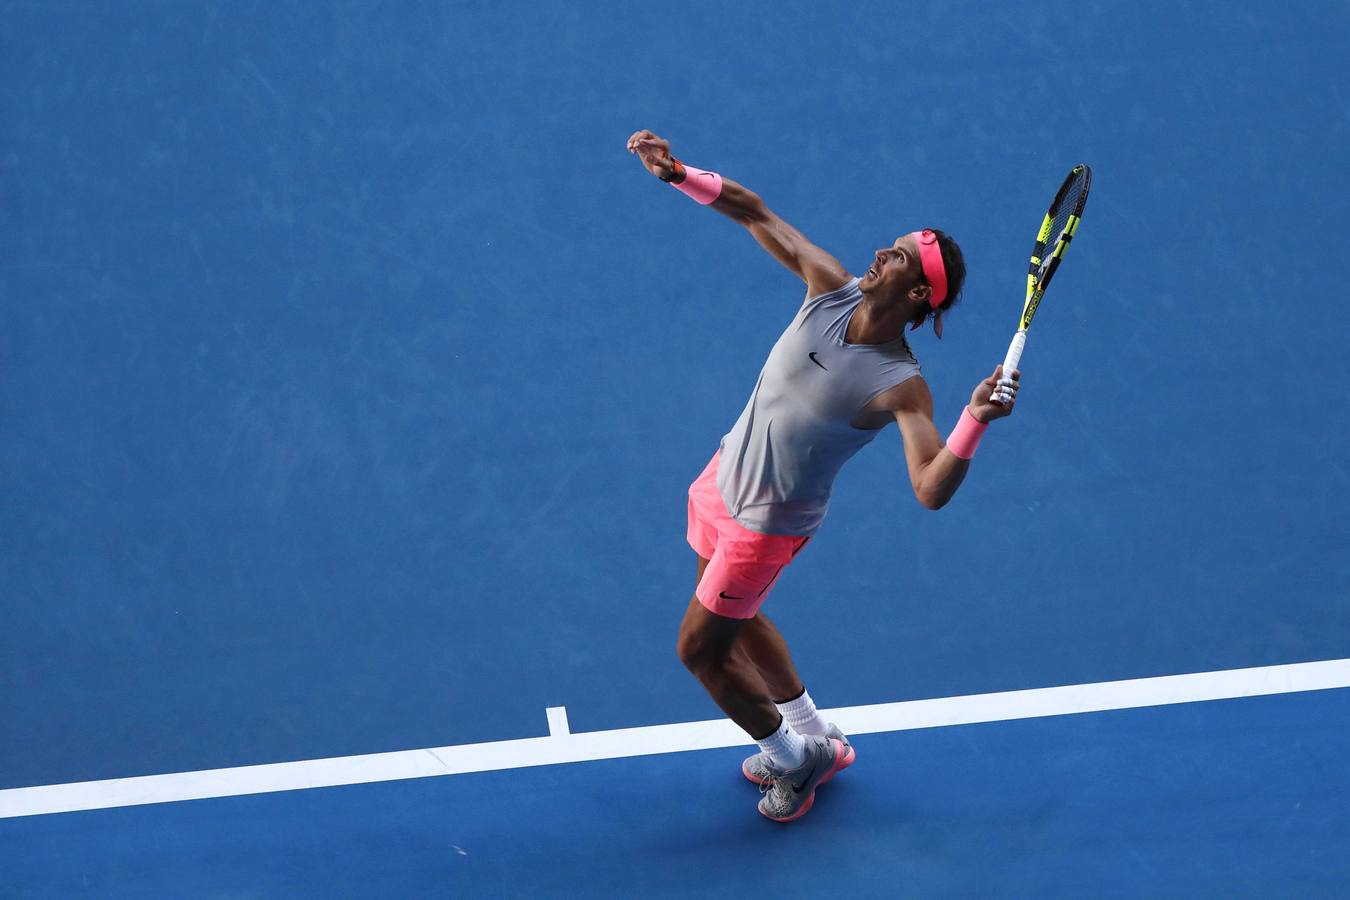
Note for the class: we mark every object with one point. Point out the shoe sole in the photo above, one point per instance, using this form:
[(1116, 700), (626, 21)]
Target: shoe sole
[(849, 756), (841, 761)]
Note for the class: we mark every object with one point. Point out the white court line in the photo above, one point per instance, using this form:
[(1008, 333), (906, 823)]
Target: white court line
[(557, 721), (567, 748)]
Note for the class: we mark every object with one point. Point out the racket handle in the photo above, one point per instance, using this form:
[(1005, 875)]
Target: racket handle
[(1014, 356), (1001, 395)]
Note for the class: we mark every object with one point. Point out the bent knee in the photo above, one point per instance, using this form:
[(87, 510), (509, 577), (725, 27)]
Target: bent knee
[(700, 651), (692, 651)]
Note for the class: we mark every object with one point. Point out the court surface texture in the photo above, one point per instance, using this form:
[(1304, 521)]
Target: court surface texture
[(352, 376)]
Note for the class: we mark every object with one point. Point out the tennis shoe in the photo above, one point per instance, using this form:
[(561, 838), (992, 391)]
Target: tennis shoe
[(756, 768), (789, 793)]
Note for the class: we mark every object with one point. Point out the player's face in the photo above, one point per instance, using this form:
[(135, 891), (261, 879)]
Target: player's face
[(895, 269)]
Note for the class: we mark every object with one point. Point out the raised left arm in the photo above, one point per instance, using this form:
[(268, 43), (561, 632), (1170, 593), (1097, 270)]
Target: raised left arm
[(785, 243)]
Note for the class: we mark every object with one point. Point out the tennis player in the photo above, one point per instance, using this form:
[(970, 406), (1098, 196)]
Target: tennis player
[(839, 374)]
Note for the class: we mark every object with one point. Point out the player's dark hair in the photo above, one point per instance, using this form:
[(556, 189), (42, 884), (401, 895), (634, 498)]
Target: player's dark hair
[(955, 264)]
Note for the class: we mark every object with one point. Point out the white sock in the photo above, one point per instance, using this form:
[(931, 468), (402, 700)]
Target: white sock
[(785, 747), (801, 714)]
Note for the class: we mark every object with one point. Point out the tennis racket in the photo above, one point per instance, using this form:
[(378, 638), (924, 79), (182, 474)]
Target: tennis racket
[(1057, 230)]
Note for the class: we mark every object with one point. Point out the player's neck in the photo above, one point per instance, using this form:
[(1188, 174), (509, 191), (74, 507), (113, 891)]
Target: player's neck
[(877, 321)]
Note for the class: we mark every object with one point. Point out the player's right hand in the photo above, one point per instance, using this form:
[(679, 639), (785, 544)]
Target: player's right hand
[(995, 396), (654, 153)]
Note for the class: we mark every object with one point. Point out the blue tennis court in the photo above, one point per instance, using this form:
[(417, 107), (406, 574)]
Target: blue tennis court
[(352, 377)]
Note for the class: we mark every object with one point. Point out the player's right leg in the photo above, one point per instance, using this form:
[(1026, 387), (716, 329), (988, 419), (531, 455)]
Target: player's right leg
[(763, 646), (737, 570)]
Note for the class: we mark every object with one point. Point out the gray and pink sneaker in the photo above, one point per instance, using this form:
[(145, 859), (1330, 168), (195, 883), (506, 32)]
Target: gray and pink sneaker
[(756, 768), (788, 794)]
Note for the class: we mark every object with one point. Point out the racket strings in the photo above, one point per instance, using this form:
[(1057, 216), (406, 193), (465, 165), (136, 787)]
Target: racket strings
[(1067, 205)]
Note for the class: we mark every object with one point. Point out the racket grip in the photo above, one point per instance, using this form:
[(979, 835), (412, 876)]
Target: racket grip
[(1014, 355)]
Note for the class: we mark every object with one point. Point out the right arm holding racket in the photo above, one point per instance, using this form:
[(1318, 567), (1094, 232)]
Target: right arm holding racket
[(935, 471)]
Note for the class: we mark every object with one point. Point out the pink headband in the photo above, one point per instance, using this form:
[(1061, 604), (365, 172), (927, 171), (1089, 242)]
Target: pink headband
[(930, 258)]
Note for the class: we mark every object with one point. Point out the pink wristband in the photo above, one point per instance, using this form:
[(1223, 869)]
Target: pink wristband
[(705, 187), (965, 437)]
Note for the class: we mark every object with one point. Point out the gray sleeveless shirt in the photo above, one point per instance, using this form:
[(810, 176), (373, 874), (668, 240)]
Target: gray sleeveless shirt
[(779, 462)]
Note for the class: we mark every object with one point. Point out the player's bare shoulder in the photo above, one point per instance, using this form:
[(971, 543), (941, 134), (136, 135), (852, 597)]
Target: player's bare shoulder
[(822, 272), (910, 395)]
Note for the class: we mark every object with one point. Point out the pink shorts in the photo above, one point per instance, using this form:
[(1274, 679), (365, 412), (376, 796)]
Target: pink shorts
[(742, 564)]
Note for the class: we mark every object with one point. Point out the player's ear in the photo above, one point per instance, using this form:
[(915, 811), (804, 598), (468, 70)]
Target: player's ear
[(921, 292)]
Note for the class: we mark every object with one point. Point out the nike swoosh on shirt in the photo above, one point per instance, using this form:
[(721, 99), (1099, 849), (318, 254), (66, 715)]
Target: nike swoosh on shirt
[(725, 596), (812, 356)]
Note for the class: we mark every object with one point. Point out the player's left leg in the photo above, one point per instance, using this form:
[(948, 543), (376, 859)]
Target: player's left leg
[(706, 647)]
